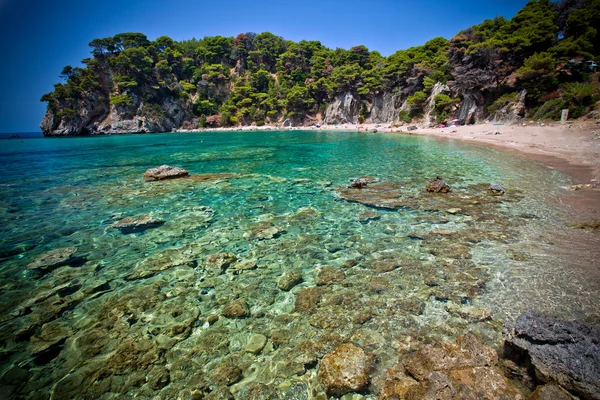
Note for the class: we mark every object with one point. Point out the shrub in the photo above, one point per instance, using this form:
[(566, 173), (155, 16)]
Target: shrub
[(404, 116), (121, 100), (503, 101), (550, 109)]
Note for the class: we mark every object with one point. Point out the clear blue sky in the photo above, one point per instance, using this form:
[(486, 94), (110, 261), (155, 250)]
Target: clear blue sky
[(38, 38)]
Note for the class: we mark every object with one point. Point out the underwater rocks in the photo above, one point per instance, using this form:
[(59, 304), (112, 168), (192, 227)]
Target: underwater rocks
[(358, 183), (565, 352), (256, 343), (289, 279), (438, 185), (465, 370), (53, 259), (263, 232), (164, 172), (344, 370), (496, 190), (380, 195), (219, 262), (470, 313), (593, 225), (236, 309), (226, 374), (138, 224), (328, 275)]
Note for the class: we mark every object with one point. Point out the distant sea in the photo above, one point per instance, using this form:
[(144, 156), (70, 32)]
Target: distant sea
[(22, 135)]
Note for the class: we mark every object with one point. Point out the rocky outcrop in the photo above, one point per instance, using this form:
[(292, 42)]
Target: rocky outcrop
[(472, 107), (438, 88), (438, 185), (564, 352), (511, 112), (164, 172), (344, 109), (384, 109)]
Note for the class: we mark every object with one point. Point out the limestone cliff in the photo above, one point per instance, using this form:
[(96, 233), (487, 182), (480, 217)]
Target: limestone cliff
[(344, 109)]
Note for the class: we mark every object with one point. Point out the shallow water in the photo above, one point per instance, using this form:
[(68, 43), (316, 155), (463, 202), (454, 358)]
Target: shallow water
[(141, 313)]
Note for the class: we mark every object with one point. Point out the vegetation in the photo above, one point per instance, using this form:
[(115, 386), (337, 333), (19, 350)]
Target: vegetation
[(263, 78)]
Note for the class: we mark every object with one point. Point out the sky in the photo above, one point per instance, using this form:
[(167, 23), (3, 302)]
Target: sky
[(39, 37)]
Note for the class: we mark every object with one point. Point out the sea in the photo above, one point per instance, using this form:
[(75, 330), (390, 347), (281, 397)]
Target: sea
[(261, 260)]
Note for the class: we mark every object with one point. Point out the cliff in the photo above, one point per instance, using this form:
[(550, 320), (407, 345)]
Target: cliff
[(533, 65)]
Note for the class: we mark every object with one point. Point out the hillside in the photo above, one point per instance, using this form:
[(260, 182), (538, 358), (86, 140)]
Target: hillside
[(533, 65)]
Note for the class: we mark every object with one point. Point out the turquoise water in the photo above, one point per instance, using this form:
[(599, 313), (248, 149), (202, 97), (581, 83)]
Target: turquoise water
[(141, 313)]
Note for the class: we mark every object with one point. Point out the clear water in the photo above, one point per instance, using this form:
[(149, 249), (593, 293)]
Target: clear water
[(140, 314)]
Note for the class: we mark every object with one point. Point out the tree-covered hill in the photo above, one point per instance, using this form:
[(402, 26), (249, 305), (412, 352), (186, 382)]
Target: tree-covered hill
[(534, 65)]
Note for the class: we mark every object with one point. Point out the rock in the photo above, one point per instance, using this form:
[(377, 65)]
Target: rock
[(566, 352), (367, 216), (245, 265), (289, 279), (343, 109), (328, 275), (474, 314), (53, 259), (344, 370), (133, 224), (411, 128), (219, 394), (587, 225), (551, 392), (236, 309), (164, 172), (226, 374), (496, 190), (256, 343), (258, 391), (438, 186), (358, 183), (380, 195), (220, 262), (263, 232), (308, 299), (453, 211)]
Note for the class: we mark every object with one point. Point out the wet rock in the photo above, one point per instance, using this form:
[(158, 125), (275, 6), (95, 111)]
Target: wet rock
[(344, 370), (245, 265), (473, 314), (551, 392), (164, 172), (358, 183), (53, 259), (566, 352), (220, 262), (258, 391), (587, 225), (368, 216), (465, 370), (396, 384), (380, 195), (236, 309), (496, 190), (220, 394), (211, 177), (289, 279), (438, 185), (256, 343), (328, 275), (308, 299), (263, 232), (467, 352), (297, 391), (226, 374), (133, 224)]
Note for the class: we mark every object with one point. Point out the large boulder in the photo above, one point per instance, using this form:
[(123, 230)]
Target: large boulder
[(164, 172), (565, 352), (344, 370)]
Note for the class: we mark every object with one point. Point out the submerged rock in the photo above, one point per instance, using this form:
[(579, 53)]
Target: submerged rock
[(496, 190), (263, 232), (256, 343), (236, 309), (219, 262), (358, 183), (438, 185), (164, 172), (328, 275), (133, 224), (289, 279), (380, 195), (226, 374), (344, 370), (53, 259), (593, 225), (565, 352)]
